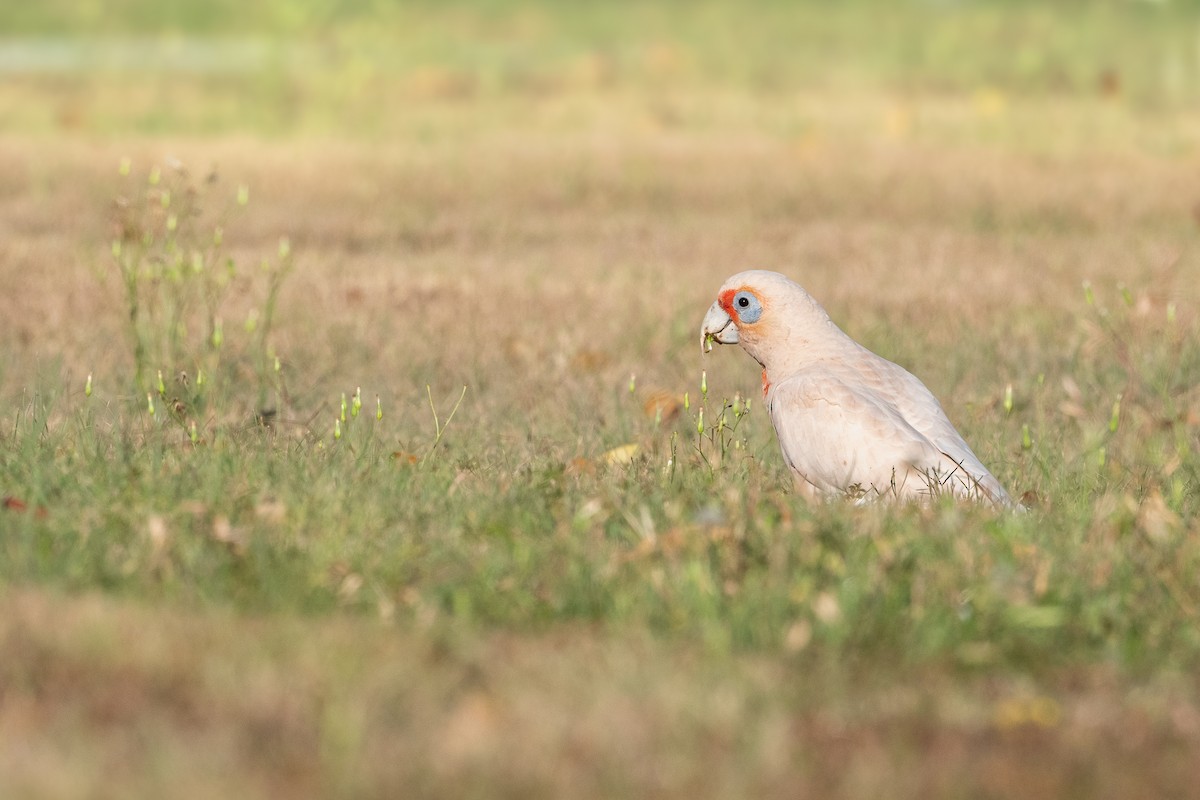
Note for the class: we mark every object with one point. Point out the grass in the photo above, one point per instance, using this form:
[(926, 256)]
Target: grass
[(515, 601)]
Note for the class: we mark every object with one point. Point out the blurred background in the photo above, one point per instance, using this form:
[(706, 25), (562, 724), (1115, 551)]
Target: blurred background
[(355, 68)]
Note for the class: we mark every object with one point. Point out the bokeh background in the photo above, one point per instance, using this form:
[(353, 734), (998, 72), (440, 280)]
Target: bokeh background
[(388, 69)]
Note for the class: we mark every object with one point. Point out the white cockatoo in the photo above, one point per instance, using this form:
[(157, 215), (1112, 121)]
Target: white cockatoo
[(850, 423)]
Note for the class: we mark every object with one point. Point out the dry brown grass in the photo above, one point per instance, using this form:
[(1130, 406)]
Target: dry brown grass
[(515, 249)]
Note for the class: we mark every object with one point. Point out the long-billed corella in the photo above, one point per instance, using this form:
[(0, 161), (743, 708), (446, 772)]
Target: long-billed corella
[(849, 422)]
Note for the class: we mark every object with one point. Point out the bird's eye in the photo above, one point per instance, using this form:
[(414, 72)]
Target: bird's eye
[(748, 306)]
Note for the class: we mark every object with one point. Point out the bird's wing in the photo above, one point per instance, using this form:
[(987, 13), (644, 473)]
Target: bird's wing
[(921, 409), (845, 437)]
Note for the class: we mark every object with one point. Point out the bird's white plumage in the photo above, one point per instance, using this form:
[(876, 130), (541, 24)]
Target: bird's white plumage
[(849, 422)]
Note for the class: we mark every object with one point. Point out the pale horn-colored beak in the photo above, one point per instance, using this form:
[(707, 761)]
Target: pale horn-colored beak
[(718, 326)]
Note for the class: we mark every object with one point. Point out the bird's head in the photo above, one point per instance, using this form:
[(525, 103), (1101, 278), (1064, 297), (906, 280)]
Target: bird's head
[(765, 312)]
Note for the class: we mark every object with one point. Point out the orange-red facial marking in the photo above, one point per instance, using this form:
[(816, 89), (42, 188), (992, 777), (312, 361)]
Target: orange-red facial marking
[(725, 299)]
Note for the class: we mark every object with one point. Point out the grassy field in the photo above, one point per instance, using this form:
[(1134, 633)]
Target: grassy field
[(551, 583)]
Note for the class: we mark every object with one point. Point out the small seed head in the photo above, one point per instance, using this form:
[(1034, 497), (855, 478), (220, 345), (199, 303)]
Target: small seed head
[(87, 387)]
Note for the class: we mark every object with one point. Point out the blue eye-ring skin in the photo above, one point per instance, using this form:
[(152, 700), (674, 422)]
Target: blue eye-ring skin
[(747, 306)]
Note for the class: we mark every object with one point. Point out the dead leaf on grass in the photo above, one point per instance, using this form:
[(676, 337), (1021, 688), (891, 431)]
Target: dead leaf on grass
[(1155, 519), (621, 456), (662, 405), (580, 466), (10, 503), (271, 511), (14, 504)]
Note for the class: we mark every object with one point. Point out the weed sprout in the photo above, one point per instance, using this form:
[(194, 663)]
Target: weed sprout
[(168, 252)]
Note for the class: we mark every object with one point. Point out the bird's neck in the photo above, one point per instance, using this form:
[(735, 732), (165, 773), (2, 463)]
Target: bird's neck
[(801, 350)]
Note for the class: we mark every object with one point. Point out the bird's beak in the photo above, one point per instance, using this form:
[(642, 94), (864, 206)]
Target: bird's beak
[(717, 326)]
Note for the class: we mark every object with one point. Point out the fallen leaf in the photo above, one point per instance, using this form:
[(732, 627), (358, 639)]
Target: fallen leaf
[(1073, 410), (580, 466), (662, 405), (623, 455), (271, 511), (13, 504), (590, 360), (1155, 519), (349, 586)]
